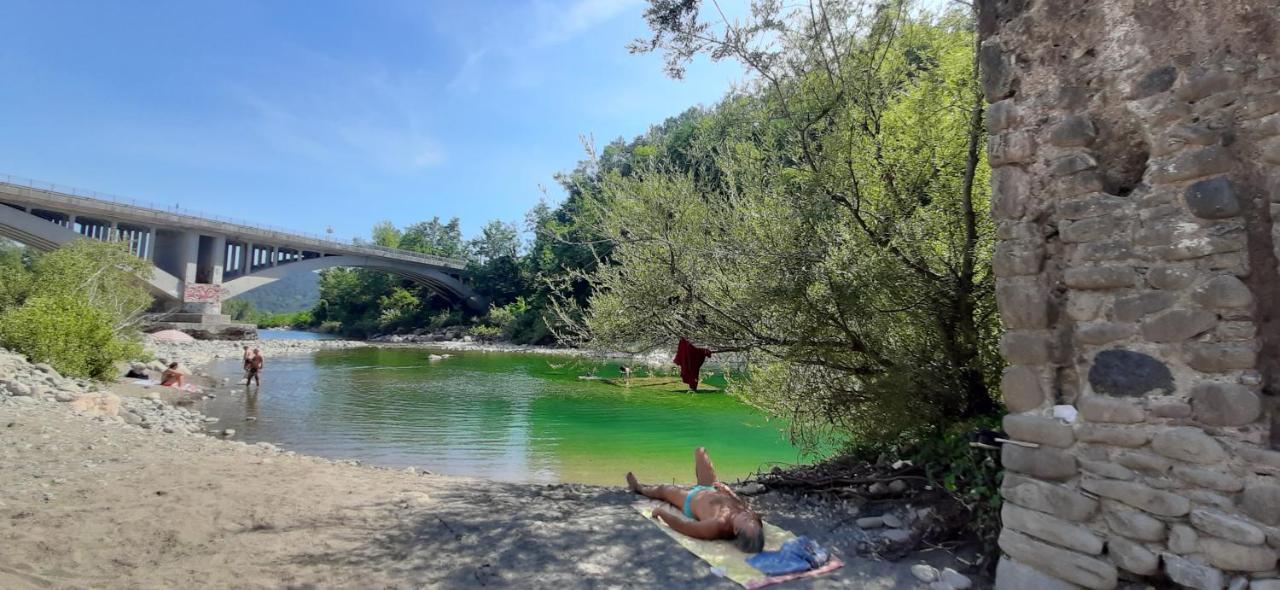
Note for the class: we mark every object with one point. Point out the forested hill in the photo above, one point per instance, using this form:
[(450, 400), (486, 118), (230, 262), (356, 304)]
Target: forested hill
[(294, 293)]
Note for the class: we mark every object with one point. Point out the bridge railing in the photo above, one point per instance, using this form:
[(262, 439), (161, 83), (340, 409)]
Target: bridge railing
[(354, 244)]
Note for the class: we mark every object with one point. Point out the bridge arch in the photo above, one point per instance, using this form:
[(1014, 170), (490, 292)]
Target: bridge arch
[(436, 280)]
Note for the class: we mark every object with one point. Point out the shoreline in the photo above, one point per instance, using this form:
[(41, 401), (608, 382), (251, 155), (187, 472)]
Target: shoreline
[(145, 496), (202, 351)]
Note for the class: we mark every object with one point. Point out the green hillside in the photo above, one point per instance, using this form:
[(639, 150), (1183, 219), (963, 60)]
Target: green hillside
[(293, 293)]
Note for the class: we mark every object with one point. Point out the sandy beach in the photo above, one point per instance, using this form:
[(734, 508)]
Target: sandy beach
[(99, 502)]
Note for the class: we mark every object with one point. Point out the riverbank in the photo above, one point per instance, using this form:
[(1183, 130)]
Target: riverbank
[(95, 501), (652, 358), (200, 352)]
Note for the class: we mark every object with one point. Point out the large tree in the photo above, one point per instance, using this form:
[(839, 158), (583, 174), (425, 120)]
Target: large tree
[(435, 237), (838, 243)]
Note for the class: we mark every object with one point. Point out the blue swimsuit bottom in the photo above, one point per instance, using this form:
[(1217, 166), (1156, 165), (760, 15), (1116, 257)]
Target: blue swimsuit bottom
[(688, 500)]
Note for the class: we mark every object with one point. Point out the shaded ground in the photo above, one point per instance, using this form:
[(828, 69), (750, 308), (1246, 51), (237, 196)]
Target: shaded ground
[(92, 503)]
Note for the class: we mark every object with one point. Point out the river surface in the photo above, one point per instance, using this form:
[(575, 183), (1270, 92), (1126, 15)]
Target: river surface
[(511, 417), (278, 334)]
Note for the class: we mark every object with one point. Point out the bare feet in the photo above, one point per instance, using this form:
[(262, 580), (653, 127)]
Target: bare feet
[(632, 483)]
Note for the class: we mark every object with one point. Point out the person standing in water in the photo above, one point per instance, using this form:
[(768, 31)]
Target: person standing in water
[(255, 365), (710, 509), (248, 360)]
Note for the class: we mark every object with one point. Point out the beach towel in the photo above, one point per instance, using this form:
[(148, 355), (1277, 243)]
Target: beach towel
[(726, 558)]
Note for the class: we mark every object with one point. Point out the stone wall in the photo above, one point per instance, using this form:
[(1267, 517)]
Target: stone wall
[(1135, 147)]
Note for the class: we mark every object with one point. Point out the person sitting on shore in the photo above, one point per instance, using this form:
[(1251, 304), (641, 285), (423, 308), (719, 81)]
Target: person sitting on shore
[(255, 369), (711, 510), (173, 377)]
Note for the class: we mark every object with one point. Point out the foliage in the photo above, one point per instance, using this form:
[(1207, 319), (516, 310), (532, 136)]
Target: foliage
[(497, 240), (972, 475), (827, 224), (397, 308), (105, 274), (445, 318), (485, 333), (297, 319), (433, 237), (240, 310), (67, 332), (17, 277), (244, 311), (515, 321), (386, 234), (75, 308), (349, 298)]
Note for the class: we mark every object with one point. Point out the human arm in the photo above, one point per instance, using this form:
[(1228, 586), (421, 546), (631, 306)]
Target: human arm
[(697, 529)]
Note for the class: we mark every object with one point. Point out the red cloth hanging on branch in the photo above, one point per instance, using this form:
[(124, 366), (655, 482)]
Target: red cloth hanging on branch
[(690, 359)]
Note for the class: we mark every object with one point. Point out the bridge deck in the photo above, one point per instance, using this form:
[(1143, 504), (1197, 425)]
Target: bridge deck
[(98, 205)]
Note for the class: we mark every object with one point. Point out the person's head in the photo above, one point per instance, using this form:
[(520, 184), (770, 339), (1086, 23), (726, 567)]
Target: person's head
[(257, 351), (173, 365), (748, 532)]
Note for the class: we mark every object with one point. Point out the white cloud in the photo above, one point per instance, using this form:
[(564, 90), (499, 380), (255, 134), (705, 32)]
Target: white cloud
[(563, 24)]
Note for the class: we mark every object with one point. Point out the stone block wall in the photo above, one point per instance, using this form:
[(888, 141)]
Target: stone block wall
[(1135, 153)]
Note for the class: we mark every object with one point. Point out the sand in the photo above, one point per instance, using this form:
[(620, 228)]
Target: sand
[(93, 502)]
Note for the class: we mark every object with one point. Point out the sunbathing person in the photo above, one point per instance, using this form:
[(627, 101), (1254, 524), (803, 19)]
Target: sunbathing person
[(711, 510), (173, 377)]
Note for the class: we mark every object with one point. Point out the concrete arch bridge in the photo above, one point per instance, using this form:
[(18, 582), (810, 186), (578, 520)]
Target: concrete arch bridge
[(202, 260)]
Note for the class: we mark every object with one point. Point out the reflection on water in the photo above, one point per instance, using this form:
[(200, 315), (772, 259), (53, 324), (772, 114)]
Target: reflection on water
[(503, 416)]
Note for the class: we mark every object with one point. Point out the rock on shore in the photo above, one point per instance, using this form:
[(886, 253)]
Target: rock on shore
[(23, 383)]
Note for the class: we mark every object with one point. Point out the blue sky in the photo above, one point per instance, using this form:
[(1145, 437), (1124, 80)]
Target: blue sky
[(309, 114)]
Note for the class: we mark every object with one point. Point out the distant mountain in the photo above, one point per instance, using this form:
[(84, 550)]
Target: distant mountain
[(295, 292)]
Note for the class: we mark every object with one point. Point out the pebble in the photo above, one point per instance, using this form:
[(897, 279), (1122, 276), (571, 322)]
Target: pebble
[(896, 536), (924, 572), (892, 521), (870, 522), (956, 579), (228, 432)]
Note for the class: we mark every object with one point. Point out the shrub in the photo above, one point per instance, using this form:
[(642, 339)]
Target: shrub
[(67, 332), (398, 309), (485, 333), (444, 319), (971, 475), (75, 308)]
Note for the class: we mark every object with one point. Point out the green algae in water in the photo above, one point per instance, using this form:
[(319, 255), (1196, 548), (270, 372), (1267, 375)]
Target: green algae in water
[(514, 417)]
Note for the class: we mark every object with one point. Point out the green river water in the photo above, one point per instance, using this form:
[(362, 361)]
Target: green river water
[(511, 417)]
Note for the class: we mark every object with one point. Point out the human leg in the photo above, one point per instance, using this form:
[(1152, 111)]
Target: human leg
[(705, 471), (673, 495)]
